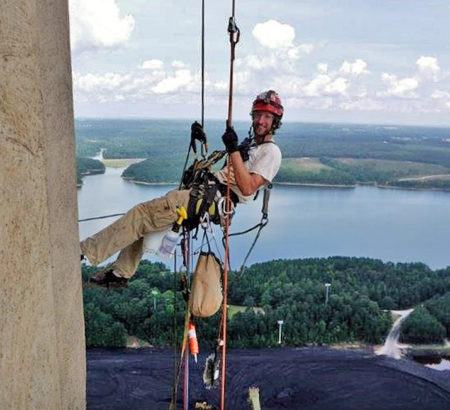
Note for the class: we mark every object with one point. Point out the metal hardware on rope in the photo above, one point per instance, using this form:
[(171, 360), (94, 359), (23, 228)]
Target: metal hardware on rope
[(234, 34)]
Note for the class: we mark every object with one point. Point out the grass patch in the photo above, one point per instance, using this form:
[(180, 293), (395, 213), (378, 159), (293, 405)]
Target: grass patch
[(306, 164), (377, 170), (311, 171), (121, 163), (233, 309), (350, 171)]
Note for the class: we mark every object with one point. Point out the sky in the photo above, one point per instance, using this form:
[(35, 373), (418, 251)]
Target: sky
[(352, 61)]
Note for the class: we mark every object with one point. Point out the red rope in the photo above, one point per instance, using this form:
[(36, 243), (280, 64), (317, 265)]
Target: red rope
[(225, 289), (234, 38)]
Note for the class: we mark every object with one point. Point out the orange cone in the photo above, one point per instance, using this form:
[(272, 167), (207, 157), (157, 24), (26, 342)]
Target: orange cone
[(193, 343)]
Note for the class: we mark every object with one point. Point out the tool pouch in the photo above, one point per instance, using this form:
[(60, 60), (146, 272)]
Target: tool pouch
[(206, 289)]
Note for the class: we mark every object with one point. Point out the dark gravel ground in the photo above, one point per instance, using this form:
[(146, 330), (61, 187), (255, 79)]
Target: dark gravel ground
[(288, 378)]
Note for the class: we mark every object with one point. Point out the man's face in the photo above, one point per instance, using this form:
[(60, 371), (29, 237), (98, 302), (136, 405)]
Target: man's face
[(262, 123)]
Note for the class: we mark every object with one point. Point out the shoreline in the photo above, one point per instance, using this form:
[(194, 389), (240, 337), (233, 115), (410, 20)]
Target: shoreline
[(125, 162), (317, 185), (412, 188), (136, 181), (311, 185)]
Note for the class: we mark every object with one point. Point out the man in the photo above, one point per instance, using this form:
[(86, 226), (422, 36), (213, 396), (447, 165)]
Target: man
[(253, 165)]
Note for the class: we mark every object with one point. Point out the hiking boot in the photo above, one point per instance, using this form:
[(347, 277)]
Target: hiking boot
[(107, 279)]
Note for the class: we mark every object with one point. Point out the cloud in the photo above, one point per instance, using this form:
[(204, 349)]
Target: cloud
[(295, 52), (428, 67), (221, 86), (322, 68), (258, 63), (100, 83), (441, 98), (152, 64), (178, 64), (302, 84), (362, 104), (439, 94), (325, 85), (272, 34), (180, 79), (98, 24), (403, 88), (357, 68)]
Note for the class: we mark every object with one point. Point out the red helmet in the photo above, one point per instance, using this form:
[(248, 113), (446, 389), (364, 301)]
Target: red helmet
[(268, 101)]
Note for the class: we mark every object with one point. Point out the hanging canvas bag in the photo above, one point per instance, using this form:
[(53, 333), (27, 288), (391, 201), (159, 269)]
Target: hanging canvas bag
[(206, 290)]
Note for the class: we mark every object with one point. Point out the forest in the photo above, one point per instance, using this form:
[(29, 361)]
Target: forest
[(361, 293), (88, 166)]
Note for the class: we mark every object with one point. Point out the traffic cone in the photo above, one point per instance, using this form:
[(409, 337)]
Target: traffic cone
[(193, 343)]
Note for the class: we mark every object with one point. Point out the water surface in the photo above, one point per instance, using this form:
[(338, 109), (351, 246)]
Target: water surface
[(392, 225)]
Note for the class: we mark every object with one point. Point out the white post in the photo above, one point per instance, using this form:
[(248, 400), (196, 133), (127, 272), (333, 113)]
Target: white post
[(280, 324), (327, 287), (154, 293)]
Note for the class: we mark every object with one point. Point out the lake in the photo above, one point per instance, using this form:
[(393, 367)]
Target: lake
[(392, 225)]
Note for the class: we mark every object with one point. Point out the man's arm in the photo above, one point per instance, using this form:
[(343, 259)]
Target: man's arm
[(247, 182)]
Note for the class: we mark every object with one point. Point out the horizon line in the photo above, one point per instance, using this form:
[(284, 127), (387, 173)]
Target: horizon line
[(386, 124)]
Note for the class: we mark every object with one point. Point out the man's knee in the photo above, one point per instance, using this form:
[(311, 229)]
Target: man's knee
[(160, 212), (179, 198)]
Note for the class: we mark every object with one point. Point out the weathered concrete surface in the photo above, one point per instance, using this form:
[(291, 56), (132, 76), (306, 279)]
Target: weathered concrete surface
[(42, 348)]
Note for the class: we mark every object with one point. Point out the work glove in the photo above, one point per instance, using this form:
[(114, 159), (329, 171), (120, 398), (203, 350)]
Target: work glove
[(230, 140), (197, 134)]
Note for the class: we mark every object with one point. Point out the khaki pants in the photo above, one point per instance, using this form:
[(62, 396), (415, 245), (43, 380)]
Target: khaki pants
[(126, 234)]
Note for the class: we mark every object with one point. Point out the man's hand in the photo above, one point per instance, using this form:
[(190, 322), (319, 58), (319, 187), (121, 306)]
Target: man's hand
[(230, 139)]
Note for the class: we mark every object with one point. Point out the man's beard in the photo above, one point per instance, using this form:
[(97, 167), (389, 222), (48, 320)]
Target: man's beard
[(260, 137)]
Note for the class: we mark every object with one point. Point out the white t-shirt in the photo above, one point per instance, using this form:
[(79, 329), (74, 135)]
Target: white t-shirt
[(264, 160)]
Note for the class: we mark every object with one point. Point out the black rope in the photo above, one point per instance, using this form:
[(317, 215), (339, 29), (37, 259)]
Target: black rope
[(204, 147), (100, 217), (203, 65), (184, 166), (261, 226)]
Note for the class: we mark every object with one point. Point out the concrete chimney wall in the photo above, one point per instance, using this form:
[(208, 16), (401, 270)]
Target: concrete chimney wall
[(42, 346)]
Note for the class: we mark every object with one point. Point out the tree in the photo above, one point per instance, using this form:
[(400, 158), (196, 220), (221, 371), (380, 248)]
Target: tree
[(421, 327)]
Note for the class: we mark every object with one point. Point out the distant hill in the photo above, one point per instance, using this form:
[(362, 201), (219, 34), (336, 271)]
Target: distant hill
[(348, 154)]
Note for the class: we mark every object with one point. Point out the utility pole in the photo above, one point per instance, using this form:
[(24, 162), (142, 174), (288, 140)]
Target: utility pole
[(327, 289), (280, 324), (154, 293)]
